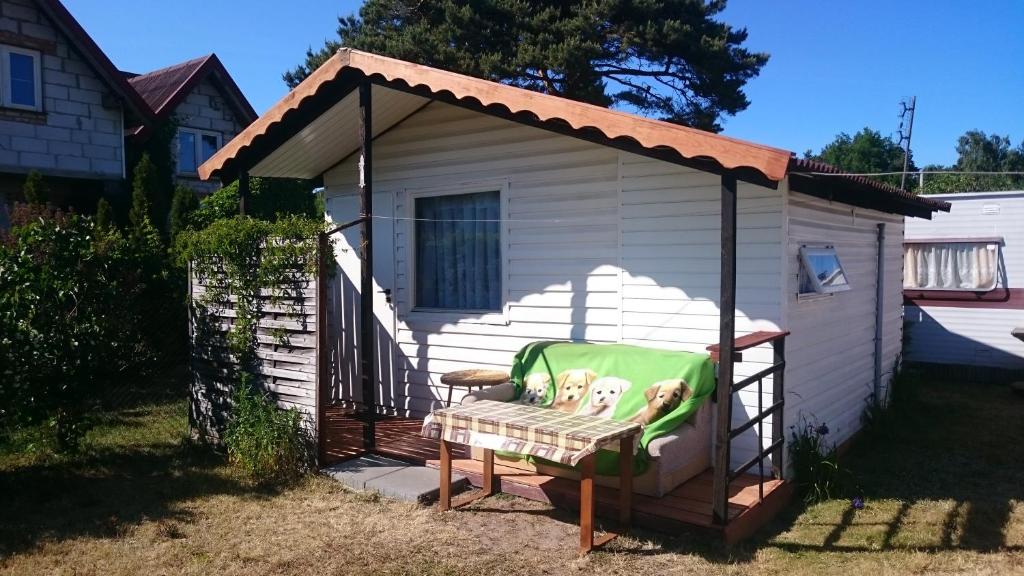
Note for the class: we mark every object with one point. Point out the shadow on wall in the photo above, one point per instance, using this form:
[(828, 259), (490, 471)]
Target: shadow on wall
[(937, 341), (407, 386)]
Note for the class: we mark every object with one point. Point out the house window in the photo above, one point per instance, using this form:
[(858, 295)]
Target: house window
[(962, 264), (22, 84), (821, 272), (194, 148), (458, 252)]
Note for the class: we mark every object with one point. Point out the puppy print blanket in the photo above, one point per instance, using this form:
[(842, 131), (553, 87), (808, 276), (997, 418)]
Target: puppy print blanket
[(660, 389)]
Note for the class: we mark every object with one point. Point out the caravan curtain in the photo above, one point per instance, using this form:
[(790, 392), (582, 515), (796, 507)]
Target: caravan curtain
[(952, 266), (458, 251)]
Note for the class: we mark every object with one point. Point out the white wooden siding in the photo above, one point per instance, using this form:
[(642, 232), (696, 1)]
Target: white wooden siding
[(601, 246), (973, 336), (830, 355), (671, 235)]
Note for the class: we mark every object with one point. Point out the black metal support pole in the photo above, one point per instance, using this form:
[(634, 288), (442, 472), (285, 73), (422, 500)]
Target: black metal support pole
[(778, 417), (367, 342), (726, 349), (243, 192)]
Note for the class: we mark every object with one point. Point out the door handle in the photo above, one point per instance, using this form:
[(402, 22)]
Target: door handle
[(387, 294)]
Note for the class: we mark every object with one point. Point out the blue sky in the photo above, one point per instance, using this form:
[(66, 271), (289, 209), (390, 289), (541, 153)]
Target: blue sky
[(835, 66)]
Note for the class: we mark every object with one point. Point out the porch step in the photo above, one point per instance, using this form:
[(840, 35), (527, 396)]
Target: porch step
[(393, 478)]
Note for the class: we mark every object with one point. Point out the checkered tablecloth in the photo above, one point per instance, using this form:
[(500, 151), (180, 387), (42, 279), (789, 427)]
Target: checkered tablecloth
[(528, 430)]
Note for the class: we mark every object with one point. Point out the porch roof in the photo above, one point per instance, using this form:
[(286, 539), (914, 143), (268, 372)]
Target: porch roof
[(316, 125)]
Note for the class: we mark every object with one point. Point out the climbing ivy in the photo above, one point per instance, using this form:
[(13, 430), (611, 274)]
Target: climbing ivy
[(243, 257)]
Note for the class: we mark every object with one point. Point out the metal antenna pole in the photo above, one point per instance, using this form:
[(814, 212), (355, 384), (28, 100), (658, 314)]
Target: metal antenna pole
[(910, 132)]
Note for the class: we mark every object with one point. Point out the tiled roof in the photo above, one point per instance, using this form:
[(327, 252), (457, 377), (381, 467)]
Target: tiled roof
[(159, 87)]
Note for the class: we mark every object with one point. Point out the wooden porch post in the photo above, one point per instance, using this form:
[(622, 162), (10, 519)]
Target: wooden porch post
[(243, 192), (726, 336), (367, 342)]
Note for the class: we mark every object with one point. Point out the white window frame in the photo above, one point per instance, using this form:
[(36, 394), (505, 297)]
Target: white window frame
[(409, 311), (5, 77), (198, 143), (990, 242), (805, 266)]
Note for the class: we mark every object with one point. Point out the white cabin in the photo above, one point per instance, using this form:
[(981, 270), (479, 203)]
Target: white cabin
[(969, 323), (600, 227)]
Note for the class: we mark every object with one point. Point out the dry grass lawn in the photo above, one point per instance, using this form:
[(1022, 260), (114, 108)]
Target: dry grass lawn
[(945, 495)]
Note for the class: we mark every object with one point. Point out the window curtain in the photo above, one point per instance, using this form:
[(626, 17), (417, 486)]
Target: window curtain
[(458, 252), (954, 266)]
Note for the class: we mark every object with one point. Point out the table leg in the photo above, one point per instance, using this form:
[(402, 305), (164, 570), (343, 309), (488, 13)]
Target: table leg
[(626, 481), (587, 504), (450, 390), (489, 472), (445, 500)]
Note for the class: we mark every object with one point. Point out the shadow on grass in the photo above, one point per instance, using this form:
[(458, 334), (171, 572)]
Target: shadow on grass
[(945, 478), (136, 465)]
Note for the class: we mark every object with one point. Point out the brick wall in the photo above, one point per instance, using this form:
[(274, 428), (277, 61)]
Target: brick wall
[(206, 109), (75, 135)]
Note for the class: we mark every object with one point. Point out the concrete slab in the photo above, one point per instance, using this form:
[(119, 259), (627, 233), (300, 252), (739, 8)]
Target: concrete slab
[(393, 478), (414, 484), (357, 472)]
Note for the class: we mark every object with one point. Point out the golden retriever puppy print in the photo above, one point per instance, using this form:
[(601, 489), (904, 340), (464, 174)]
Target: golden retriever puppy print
[(662, 398), (535, 389), (604, 395), (570, 388)]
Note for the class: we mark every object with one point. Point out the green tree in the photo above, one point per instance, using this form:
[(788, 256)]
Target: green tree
[(980, 152), (866, 152), (183, 205), (149, 180), (104, 215), (35, 189), (667, 58)]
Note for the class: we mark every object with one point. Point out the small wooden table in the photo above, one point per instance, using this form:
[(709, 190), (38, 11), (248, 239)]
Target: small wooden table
[(471, 379), (532, 431)]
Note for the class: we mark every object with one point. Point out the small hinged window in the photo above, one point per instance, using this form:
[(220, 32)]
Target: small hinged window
[(820, 271)]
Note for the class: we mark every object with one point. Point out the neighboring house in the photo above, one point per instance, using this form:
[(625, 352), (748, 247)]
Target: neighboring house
[(964, 282), (68, 112), (201, 98), (586, 224), (63, 106)]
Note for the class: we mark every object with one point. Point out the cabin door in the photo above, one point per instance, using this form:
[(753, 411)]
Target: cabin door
[(345, 313)]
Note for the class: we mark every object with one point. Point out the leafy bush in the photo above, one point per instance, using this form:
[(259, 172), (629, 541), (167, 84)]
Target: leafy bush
[(269, 199), (74, 302), (267, 444), (817, 473)]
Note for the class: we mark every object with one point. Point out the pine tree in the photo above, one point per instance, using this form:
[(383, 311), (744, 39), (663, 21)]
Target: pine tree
[(668, 58), (35, 189), (183, 205), (146, 179), (104, 215), (141, 231)]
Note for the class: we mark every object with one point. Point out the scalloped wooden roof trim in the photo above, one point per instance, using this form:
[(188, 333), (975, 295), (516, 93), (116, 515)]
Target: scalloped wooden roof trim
[(729, 152)]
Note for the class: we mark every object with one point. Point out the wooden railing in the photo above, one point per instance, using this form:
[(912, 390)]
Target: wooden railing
[(775, 449)]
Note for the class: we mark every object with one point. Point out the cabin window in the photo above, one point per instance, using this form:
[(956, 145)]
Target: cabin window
[(194, 148), (963, 264), (458, 251), (821, 272), (22, 84)]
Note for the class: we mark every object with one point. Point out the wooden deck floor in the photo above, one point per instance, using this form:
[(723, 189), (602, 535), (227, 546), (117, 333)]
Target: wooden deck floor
[(688, 506)]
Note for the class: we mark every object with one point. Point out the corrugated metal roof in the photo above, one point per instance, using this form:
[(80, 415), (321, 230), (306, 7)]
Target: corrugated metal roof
[(803, 165)]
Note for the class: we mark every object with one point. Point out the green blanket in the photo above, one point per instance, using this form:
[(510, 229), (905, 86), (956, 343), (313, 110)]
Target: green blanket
[(661, 389)]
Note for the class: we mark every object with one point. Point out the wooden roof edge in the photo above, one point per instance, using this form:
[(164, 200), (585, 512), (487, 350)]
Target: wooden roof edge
[(690, 143)]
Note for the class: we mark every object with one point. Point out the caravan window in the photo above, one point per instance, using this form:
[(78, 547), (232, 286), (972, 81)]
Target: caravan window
[(960, 264), (458, 251), (821, 272)]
